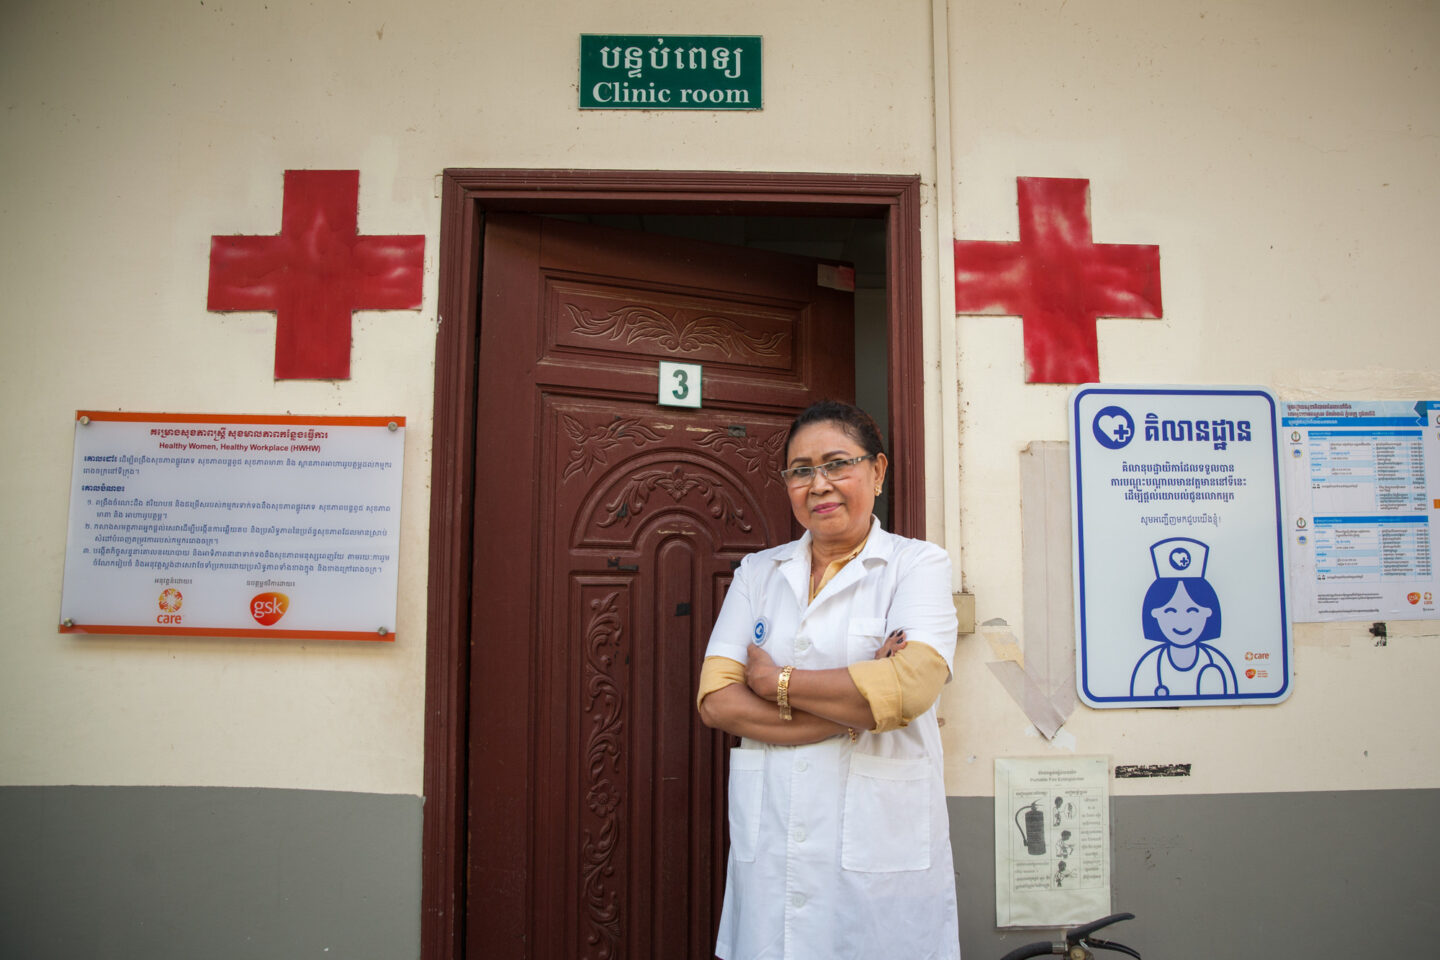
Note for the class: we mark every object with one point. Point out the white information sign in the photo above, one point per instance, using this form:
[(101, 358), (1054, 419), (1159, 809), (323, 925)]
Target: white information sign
[(679, 384), (222, 525), (1362, 484), (1052, 840), (1180, 585)]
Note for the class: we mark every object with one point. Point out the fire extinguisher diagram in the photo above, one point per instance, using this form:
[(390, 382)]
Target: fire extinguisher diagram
[(1033, 832)]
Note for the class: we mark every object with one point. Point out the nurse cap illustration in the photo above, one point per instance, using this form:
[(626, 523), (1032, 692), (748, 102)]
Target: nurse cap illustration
[(1179, 557)]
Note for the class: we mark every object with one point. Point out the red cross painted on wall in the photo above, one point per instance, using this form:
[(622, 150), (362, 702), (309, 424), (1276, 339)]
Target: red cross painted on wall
[(315, 273), (1057, 280)]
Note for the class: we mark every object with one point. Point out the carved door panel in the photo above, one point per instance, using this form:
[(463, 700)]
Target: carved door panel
[(605, 540)]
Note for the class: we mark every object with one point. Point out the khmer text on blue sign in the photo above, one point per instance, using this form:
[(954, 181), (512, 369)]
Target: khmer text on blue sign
[(1180, 576)]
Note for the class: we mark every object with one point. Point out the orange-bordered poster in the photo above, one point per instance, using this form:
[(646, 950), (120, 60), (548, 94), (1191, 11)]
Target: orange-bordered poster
[(229, 525)]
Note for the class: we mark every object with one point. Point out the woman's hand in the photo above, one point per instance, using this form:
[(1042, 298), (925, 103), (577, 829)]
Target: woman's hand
[(827, 693), (761, 674), (894, 643)]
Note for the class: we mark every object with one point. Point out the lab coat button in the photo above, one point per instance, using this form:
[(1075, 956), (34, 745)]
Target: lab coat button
[(800, 835), (802, 765), (802, 645), (798, 900)]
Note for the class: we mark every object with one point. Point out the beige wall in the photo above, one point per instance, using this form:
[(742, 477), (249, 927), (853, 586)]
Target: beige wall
[(134, 132), (1277, 152), (1282, 154)]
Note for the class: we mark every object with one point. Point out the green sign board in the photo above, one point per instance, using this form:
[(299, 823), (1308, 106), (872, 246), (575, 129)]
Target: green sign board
[(644, 72)]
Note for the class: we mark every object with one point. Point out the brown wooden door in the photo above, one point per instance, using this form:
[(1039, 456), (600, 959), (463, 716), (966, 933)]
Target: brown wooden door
[(606, 530)]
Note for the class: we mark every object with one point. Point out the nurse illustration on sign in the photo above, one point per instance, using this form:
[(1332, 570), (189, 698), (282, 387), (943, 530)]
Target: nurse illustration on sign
[(1181, 613), (826, 659)]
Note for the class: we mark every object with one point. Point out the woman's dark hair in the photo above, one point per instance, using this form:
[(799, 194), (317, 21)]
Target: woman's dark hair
[(855, 422), (1159, 594)]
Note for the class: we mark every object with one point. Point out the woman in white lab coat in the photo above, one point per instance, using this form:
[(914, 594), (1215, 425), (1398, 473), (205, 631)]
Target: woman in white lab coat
[(826, 660)]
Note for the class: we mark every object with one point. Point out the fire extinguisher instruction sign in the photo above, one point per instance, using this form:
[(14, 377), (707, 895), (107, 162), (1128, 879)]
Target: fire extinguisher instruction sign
[(1052, 840)]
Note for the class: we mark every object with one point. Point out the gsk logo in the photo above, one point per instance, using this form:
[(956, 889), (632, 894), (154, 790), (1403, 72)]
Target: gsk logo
[(268, 608)]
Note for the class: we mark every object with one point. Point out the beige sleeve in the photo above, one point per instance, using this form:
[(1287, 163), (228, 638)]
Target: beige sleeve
[(902, 687), (717, 672)]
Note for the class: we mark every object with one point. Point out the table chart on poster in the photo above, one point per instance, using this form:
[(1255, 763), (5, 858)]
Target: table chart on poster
[(1379, 548), (1376, 470)]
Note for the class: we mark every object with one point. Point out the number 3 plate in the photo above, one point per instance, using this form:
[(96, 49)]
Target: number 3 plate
[(679, 384)]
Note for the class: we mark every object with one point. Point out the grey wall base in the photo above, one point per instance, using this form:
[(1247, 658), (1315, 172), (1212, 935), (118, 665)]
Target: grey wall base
[(183, 872), (152, 873), (1265, 876)]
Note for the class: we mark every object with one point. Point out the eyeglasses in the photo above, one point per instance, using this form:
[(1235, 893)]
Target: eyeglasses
[(834, 470)]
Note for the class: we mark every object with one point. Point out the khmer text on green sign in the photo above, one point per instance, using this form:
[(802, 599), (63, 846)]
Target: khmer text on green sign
[(630, 72)]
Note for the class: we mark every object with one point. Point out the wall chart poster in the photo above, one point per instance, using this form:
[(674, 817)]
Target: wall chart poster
[(1180, 578), (1362, 484), (1052, 840), (226, 525)]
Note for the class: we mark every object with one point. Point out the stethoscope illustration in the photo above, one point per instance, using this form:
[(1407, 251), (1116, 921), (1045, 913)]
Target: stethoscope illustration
[(1161, 690)]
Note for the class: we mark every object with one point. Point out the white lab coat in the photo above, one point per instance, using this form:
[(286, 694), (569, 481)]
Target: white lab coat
[(839, 850)]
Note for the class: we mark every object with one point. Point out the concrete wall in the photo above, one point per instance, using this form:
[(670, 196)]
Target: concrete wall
[(126, 872), (1278, 876), (243, 874), (1281, 153), (1274, 152)]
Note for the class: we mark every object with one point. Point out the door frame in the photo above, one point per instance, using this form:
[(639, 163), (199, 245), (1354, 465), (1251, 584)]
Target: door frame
[(467, 195)]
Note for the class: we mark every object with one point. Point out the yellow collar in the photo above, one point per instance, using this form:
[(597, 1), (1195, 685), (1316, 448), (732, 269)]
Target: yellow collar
[(834, 568)]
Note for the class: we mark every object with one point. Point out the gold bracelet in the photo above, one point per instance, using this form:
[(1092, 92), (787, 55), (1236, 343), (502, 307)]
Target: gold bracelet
[(782, 692)]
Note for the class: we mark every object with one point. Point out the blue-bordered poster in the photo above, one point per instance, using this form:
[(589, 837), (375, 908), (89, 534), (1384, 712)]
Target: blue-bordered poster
[(1363, 491), (1180, 577)]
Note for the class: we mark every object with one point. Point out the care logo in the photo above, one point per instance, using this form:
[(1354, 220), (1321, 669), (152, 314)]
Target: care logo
[(170, 602), (268, 608)]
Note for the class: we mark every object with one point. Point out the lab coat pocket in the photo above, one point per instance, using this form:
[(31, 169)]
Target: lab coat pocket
[(863, 637), (747, 792), (887, 815)]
